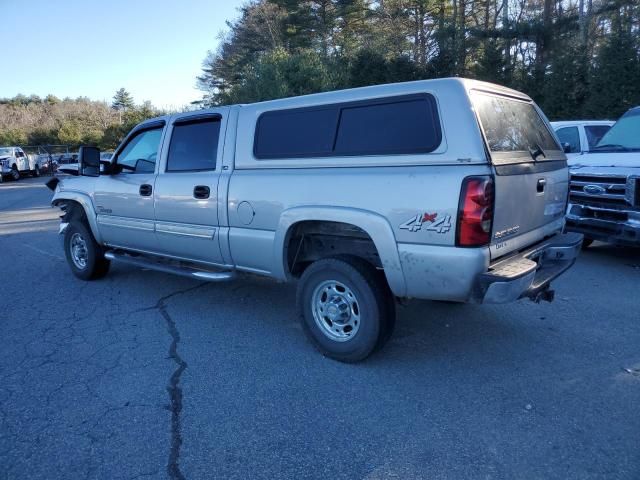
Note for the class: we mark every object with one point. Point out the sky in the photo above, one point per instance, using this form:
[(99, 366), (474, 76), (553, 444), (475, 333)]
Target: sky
[(91, 48)]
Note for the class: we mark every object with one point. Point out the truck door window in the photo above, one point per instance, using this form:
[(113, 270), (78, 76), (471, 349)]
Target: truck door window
[(571, 136), (595, 133), (194, 146), (140, 153)]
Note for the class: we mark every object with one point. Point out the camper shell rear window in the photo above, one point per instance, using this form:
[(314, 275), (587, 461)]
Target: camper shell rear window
[(513, 129)]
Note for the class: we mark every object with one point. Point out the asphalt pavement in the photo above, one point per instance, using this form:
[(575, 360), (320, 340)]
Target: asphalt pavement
[(147, 375)]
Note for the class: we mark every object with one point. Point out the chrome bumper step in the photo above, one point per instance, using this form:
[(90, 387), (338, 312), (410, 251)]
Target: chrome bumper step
[(528, 274), (142, 261)]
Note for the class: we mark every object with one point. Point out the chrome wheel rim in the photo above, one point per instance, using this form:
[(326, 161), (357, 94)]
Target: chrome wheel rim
[(336, 310), (79, 253)]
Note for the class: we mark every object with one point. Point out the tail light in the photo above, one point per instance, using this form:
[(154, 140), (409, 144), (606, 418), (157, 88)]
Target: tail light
[(475, 212)]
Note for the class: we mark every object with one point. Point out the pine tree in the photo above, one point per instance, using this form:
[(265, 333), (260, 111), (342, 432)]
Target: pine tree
[(567, 82), (614, 80), (122, 100), (574, 58)]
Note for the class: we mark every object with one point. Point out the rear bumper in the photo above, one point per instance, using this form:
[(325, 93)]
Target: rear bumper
[(619, 227), (528, 274)]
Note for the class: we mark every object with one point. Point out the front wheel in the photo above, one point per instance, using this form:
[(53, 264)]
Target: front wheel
[(84, 255), (15, 174), (346, 308)]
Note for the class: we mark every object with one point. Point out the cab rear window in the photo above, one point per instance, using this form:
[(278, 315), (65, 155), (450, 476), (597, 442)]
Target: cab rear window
[(513, 126)]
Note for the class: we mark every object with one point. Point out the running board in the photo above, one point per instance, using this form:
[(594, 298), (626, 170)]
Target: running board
[(145, 262)]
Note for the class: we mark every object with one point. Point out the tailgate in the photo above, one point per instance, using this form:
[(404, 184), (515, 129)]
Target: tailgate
[(531, 175)]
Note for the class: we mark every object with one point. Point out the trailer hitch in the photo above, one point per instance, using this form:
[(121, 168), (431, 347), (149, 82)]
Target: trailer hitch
[(545, 295)]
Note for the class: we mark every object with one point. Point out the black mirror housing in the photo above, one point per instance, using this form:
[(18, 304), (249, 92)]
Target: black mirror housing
[(566, 148), (89, 161)]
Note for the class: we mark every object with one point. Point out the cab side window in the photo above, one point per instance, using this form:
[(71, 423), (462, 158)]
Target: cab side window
[(406, 124), (194, 145), (141, 152), (571, 136)]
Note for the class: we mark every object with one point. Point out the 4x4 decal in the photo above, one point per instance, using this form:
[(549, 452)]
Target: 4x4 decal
[(428, 221)]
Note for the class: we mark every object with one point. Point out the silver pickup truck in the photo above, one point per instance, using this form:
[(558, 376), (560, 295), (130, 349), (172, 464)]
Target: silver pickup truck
[(448, 189)]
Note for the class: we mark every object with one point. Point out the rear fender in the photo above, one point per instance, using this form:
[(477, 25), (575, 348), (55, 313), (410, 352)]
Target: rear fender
[(376, 226)]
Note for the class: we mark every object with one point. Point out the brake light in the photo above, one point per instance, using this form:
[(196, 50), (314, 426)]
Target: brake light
[(475, 212)]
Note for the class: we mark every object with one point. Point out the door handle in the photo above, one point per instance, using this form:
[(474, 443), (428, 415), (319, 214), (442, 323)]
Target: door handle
[(146, 190), (201, 191), (541, 184)]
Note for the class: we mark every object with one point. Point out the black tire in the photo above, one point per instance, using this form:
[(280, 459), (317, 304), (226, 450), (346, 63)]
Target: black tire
[(95, 265), (15, 174), (36, 171), (370, 299), (586, 243)]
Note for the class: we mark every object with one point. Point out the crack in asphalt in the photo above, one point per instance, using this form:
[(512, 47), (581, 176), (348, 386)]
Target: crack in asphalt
[(173, 388), (175, 396)]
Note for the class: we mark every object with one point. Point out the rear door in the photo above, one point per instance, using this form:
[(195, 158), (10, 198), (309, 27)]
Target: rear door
[(186, 195), (531, 175)]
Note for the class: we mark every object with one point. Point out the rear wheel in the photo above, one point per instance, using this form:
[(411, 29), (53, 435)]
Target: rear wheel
[(346, 308), (36, 171), (84, 255)]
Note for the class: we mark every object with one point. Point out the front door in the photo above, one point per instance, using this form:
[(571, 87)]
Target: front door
[(124, 200), (22, 161), (186, 194)]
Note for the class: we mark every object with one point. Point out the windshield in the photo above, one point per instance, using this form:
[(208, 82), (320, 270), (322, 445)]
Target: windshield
[(6, 151), (623, 136), (513, 126)]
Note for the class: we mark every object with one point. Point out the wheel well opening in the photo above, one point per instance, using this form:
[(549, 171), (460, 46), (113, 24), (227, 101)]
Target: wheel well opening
[(312, 240), (72, 210)]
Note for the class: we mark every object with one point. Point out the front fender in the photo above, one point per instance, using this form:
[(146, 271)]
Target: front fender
[(376, 226), (85, 201)]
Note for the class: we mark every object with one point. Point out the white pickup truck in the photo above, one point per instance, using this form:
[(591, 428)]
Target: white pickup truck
[(604, 200), (579, 137), (14, 162)]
